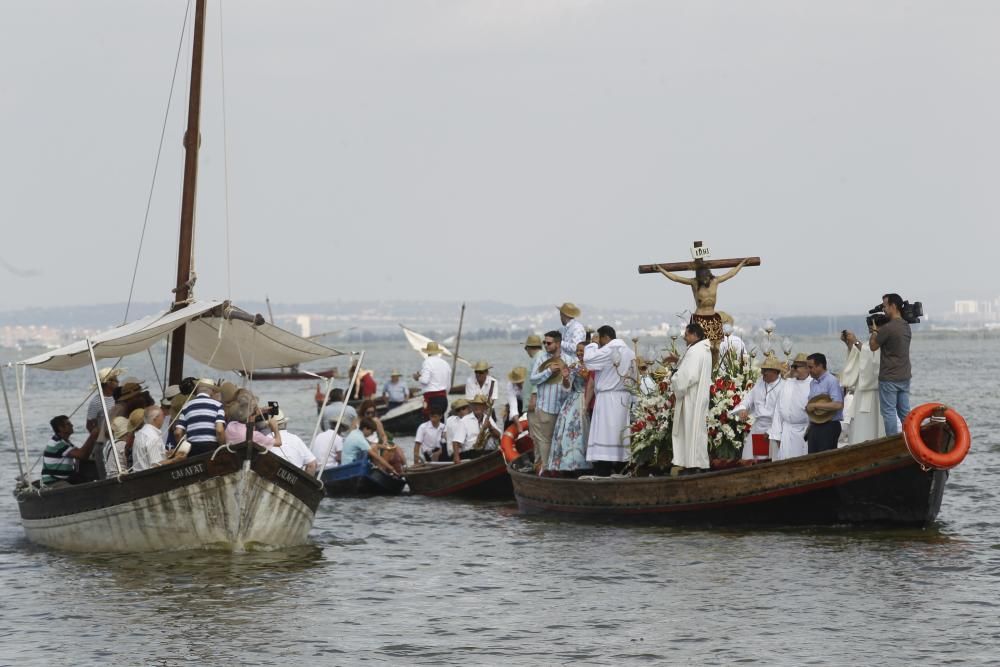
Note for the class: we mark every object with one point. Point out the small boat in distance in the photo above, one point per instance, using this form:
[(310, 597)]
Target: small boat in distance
[(291, 373), (361, 478)]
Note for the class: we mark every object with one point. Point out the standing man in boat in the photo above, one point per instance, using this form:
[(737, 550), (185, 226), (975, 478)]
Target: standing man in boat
[(546, 376), (395, 392), (825, 406), (691, 383), (788, 428), (434, 378), (893, 339), (106, 394), (481, 382), (529, 394), (202, 419), (614, 362), (573, 333), (760, 403)]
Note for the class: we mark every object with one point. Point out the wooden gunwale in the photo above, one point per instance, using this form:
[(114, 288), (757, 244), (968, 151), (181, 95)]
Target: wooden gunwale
[(458, 477)]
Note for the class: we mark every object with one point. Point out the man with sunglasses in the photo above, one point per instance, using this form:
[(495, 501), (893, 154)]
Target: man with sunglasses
[(546, 376)]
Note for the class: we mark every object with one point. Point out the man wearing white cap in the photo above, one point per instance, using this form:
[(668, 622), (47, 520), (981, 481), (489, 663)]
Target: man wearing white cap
[(202, 420), (292, 448), (396, 392), (481, 382), (434, 378), (572, 331)]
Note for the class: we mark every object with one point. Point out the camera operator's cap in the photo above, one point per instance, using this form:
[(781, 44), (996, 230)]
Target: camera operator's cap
[(482, 366), (819, 415), (533, 340), (569, 309), (771, 363), (518, 374), (459, 403), (479, 399)]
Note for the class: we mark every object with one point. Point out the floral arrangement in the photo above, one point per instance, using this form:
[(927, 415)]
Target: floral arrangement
[(652, 424), (732, 382)]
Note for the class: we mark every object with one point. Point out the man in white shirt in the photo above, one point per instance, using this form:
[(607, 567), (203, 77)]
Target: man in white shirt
[(514, 391), (327, 446), (455, 428), (428, 445), (481, 382), (434, 378), (614, 362), (292, 448), (475, 421), (573, 333), (148, 447), (788, 428), (760, 403)]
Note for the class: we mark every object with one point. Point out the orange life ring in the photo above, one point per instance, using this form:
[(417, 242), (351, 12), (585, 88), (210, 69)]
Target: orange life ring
[(513, 444), (923, 454)]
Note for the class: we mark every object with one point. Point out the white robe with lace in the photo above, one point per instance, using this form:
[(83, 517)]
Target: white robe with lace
[(690, 384), (760, 403), (861, 376), (608, 439), (788, 426)]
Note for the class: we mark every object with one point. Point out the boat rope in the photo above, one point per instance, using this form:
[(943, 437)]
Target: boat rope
[(156, 164), (225, 155), (152, 363)]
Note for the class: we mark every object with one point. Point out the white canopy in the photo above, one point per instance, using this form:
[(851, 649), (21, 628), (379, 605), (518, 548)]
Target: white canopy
[(214, 336)]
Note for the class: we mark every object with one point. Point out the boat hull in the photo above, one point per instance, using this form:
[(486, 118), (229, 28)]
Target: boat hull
[(361, 479), (484, 477), (873, 482), (232, 502)]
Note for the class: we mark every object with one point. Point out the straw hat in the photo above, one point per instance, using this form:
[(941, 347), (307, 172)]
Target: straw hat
[(395, 374), (800, 359), (482, 366), (431, 348), (137, 418), (120, 428), (228, 392), (533, 341), (569, 309), (518, 374), (479, 399), (819, 415), (171, 391), (130, 390), (458, 404), (206, 383), (771, 363), (108, 374)]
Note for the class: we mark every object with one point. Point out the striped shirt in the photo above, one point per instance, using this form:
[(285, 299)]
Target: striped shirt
[(550, 394), (199, 417), (94, 409), (55, 464), (573, 334)]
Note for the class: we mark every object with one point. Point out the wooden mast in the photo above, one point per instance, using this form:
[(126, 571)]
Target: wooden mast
[(192, 141)]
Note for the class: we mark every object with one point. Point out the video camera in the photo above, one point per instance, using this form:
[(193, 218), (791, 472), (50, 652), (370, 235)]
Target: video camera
[(910, 312)]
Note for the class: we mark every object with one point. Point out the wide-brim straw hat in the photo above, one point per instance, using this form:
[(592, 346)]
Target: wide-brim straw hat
[(800, 358), (534, 340), (481, 366), (120, 427), (819, 415), (207, 383), (108, 374), (479, 399), (431, 348), (458, 404), (569, 309), (771, 363), (395, 373), (228, 392), (518, 374), (137, 418), (171, 391), (130, 390)]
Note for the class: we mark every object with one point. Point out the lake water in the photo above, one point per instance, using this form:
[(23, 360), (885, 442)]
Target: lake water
[(412, 580)]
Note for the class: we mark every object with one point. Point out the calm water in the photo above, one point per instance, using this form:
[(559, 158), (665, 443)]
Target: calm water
[(410, 580)]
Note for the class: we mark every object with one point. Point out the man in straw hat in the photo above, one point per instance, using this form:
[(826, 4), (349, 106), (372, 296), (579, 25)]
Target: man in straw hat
[(825, 406), (106, 394), (481, 382), (434, 378), (395, 391), (293, 449), (529, 394), (116, 457), (759, 404), (203, 419), (514, 391), (455, 429), (546, 376), (573, 333), (691, 383), (788, 428), (477, 420)]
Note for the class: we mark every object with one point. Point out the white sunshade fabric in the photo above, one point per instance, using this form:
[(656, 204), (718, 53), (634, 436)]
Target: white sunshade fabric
[(419, 341), (243, 346)]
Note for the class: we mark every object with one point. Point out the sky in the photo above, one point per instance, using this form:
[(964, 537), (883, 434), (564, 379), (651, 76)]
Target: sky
[(525, 151)]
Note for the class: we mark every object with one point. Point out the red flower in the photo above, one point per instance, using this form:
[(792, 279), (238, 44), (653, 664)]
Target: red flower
[(720, 383), (732, 386), (638, 426), (736, 400), (664, 386), (711, 432), (712, 390), (723, 417)]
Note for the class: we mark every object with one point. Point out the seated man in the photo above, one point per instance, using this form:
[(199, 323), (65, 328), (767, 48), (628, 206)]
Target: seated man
[(473, 422), (455, 430), (240, 411), (430, 440), (327, 447), (202, 419), (333, 408), (292, 448), (148, 448), (356, 446), (60, 462)]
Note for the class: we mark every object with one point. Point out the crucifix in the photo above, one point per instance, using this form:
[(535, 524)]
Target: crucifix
[(704, 285)]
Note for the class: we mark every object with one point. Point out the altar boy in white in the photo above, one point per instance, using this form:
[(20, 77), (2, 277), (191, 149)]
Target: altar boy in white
[(691, 383), (613, 362), (788, 428)]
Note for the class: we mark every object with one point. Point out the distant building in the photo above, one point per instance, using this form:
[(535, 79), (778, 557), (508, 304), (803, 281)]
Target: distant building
[(966, 307)]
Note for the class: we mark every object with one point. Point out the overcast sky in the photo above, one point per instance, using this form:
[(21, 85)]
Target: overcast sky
[(529, 151)]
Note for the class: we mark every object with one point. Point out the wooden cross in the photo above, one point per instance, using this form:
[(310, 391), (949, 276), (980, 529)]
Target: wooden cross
[(698, 264)]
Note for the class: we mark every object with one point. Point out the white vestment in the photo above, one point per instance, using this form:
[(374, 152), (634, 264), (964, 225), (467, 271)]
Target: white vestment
[(861, 376), (788, 427), (690, 384), (759, 403), (608, 439)]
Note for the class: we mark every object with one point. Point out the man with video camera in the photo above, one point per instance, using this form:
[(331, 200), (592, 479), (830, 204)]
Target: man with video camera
[(891, 335)]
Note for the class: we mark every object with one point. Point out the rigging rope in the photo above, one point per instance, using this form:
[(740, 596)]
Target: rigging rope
[(156, 165), (225, 154)]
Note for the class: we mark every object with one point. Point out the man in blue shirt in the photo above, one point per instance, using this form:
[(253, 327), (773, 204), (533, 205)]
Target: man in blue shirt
[(356, 446), (825, 397)]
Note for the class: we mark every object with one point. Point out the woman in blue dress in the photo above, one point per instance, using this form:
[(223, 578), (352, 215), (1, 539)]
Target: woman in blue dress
[(569, 438)]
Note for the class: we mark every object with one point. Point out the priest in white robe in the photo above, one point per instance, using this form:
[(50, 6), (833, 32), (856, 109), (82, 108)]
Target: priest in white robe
[(759, 403), (691, 383), (788, 427), (860, 377), (614, 362)]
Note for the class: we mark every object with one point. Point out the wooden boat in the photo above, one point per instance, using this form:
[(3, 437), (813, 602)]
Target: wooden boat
[(238, 497), (292, 374), (484, 477), (873, 482), (241, 498), (361, 478), (405, 419)]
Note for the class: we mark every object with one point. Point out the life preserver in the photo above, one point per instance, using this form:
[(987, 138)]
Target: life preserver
[(923, 454), (513, 444)]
